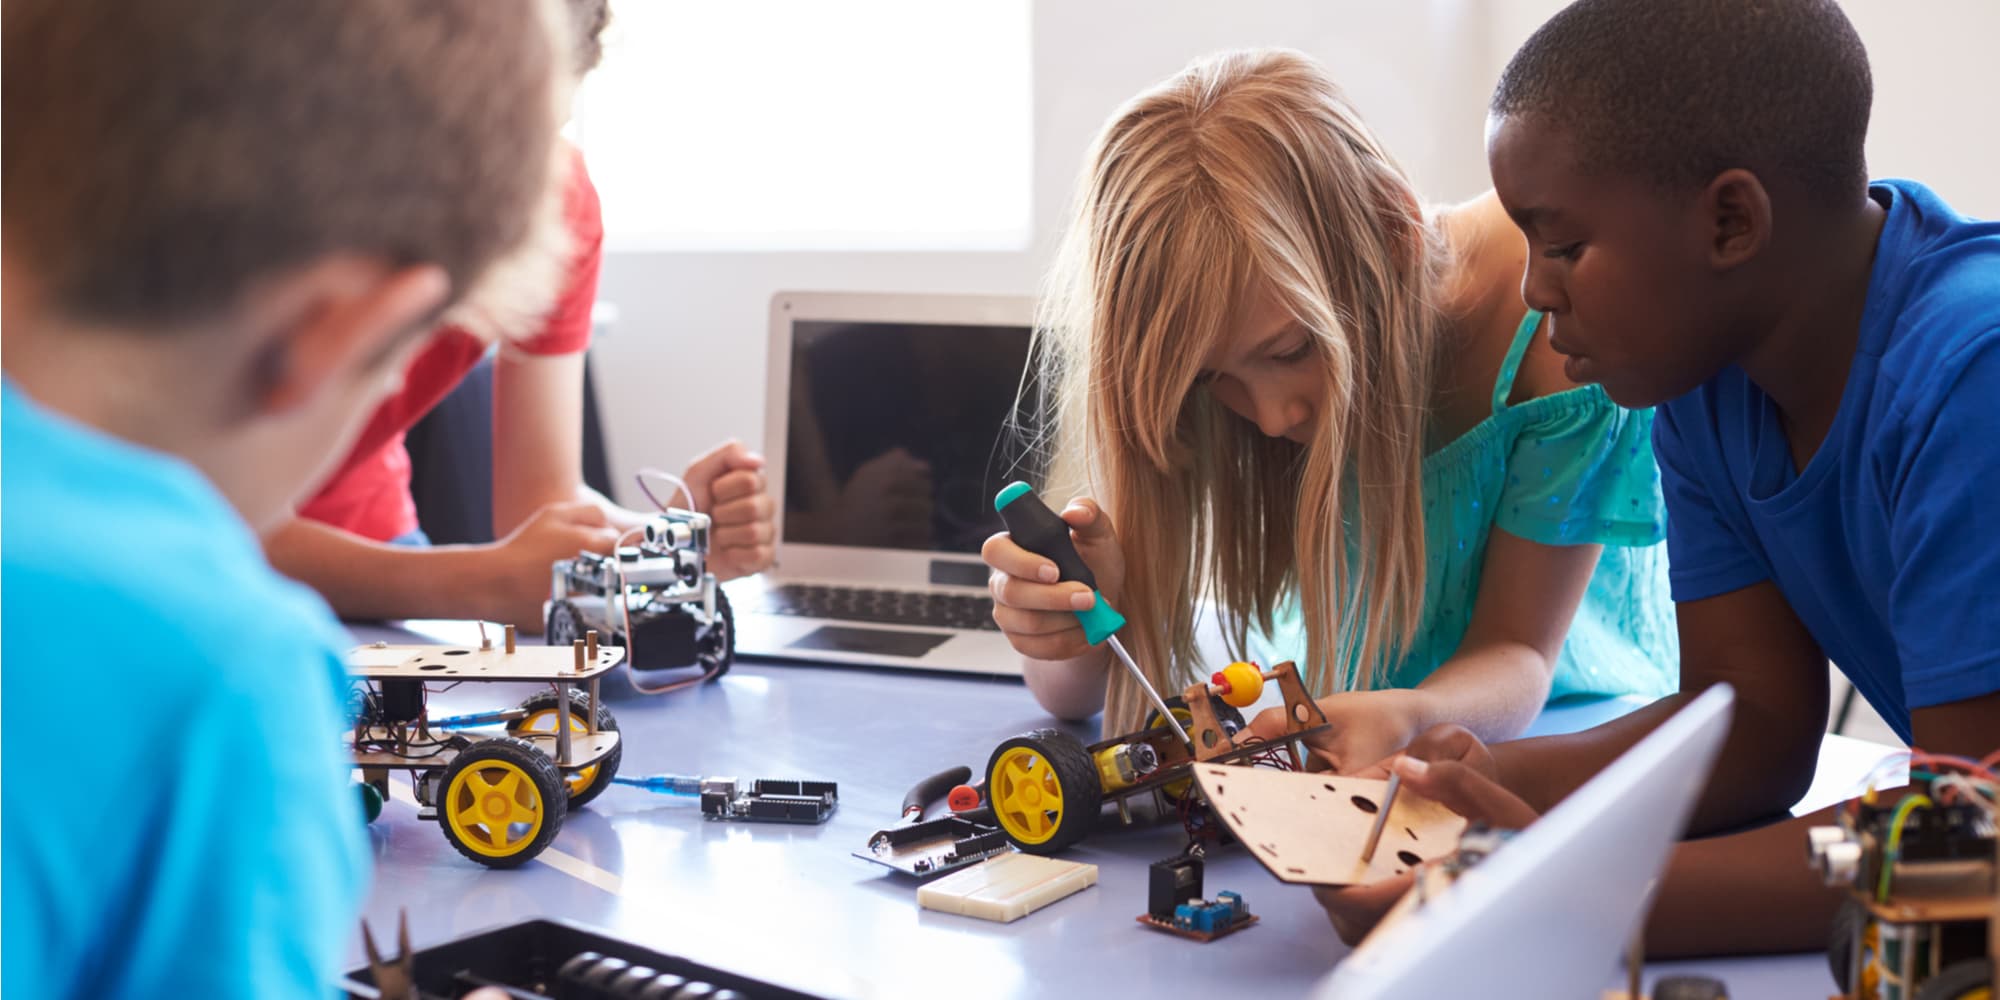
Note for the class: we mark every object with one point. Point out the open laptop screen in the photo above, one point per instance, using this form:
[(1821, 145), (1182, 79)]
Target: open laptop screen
[(897, 436)]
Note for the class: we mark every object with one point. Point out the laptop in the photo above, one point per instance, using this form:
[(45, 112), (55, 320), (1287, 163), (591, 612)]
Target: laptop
[(1552, 911), (886, 436)]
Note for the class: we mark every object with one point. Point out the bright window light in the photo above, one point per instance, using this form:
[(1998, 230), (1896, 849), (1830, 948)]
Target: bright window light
[(812, 125)]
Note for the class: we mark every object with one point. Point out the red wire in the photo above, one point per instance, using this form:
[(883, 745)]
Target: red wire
[(1983, 768)]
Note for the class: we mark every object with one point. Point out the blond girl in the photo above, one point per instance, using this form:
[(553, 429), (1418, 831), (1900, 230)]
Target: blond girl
[(1305, 399)]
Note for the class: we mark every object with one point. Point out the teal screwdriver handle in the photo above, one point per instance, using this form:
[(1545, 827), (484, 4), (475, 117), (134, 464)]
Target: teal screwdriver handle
[(1039, 530)]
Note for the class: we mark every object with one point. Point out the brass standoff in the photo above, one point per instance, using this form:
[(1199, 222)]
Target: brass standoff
[(510, 640), (590, 646), (578, 646)]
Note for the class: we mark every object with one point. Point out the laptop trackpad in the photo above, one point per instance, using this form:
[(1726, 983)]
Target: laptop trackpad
[(871, 641)]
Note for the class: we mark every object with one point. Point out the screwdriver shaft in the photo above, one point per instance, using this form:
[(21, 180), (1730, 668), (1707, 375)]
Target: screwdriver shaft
[(1118, 649)]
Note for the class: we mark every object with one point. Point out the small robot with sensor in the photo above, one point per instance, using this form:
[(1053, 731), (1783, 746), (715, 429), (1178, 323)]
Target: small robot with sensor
[(1922, 874), (657, 599)]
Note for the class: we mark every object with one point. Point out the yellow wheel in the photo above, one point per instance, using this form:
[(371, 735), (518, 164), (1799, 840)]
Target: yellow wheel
[(502, 802), (584, 783), (1044, 791)]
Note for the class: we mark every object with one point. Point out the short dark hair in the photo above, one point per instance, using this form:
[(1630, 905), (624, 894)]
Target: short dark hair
[(162, 156), (1681, 90)]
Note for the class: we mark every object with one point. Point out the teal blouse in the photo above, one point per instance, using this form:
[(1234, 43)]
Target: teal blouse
[(1569, 469)]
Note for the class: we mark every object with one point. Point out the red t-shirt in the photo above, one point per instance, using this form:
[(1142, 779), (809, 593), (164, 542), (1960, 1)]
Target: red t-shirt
[(369, 495)]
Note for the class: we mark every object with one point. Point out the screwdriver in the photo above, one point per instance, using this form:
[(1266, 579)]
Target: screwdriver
[(1382, 818), (1039, 530)]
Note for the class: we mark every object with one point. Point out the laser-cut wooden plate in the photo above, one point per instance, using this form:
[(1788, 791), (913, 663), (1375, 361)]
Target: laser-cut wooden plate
[(1309, 829)]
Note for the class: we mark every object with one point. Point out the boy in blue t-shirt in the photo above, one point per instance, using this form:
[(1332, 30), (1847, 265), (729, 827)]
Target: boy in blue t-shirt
[(226, 224), (1825, 355)]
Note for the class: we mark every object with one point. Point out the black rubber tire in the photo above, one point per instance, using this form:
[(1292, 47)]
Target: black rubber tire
[(1959, 979), (1076, 777), (548, 788), (1690, 988), (564, 626), (716, 652), (607, 768), (1848, 923), (372, 798)]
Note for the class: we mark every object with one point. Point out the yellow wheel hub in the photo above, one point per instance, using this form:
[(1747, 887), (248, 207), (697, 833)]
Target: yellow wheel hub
[(493, 808), (544, 721), (1027, 798)]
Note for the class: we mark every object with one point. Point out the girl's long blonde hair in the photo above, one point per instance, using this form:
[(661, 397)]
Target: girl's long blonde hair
[(1247, 173)]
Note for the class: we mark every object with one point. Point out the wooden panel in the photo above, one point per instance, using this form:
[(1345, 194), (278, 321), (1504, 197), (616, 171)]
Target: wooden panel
[(470, 663), (1309, 829)]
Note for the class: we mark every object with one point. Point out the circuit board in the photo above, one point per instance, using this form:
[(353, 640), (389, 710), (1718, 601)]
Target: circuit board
[(1193, 935), (769, 800), (936, 846)]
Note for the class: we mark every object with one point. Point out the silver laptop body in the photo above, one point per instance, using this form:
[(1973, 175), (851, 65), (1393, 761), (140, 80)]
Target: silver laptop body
[(885, 444)]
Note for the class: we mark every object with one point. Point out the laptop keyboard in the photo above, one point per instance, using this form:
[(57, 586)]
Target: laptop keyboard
[(892, 607)]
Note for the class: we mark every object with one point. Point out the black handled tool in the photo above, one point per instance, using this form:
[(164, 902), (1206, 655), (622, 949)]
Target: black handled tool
[(1035, 527), (931, 789)]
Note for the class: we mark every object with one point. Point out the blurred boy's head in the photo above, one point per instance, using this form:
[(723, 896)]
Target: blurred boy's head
[(1645, 146), (227, 221)]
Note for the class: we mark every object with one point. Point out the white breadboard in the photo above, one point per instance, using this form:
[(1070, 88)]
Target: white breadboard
[(1008, 887)]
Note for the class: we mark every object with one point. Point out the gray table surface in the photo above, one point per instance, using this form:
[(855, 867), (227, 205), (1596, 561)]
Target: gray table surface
[(791, 905)]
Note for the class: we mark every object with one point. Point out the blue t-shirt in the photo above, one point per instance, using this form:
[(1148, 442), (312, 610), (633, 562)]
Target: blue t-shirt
[(1887, 544), (179, 817)]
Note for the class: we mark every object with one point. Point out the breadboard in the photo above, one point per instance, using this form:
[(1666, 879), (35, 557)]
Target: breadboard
[(1309, 829), (1008, 887)]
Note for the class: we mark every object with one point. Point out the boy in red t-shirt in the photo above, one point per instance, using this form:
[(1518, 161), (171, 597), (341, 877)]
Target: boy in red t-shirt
[(352, 541)]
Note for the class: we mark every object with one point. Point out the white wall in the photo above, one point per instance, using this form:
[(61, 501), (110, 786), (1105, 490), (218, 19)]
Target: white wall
[(685, 365)]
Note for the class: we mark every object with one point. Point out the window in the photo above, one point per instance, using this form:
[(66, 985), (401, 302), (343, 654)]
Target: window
[(802, 125)]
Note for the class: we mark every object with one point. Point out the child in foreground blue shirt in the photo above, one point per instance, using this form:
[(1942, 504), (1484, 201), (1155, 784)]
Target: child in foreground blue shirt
[(177, 807), (208, 286)]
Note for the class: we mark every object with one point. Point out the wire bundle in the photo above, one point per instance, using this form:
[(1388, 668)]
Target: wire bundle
[(1951, 778)]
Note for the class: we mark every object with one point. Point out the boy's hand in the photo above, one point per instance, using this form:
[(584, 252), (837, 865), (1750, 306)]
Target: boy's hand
[(1460, 777), (1465, 790), (516, 575), (1355, 910), (1439, 744), (1368, 726), (728, 486), (1036, 613)]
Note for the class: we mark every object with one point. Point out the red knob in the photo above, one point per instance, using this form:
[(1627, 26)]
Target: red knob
[(964, 798)]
